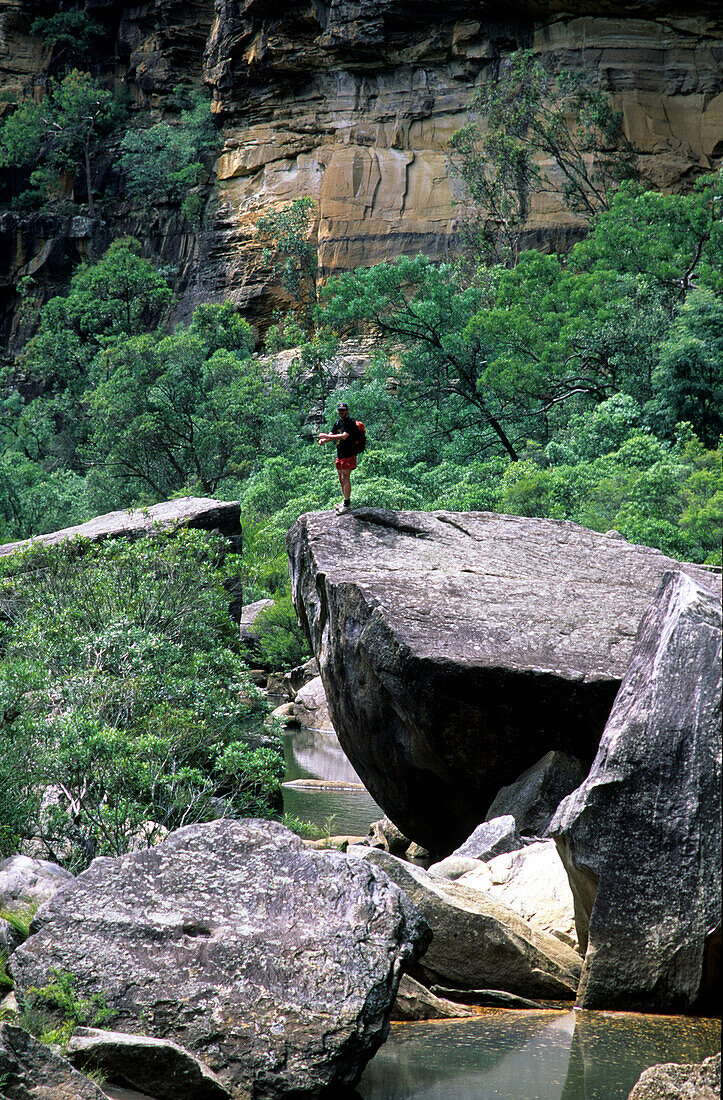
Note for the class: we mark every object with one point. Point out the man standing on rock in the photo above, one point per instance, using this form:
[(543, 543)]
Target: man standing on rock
[(344, 432)]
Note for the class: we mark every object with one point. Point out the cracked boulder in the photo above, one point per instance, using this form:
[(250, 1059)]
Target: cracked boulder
[(274, 965), (641, 838), (31, 1070), (457, 648)]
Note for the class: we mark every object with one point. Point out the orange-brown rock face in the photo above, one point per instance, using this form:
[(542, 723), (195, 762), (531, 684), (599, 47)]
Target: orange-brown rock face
[(353, 102)]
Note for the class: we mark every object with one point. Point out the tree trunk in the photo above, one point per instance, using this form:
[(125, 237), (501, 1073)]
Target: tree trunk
[(89, 180)]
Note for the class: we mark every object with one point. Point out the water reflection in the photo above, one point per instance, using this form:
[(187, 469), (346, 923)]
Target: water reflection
[(311, 754), (520, 1055)]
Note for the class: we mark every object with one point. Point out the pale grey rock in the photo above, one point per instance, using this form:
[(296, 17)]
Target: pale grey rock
[(295, 679), (31, 1070), (455, 647), (534, 883), (477, 941), (453, 867), (492, 838), (416, 1002), (249, 614), (641, 838), (533, 798), (275, 965), (311, 708), (157, 1066), (204, 513), (486, 998), (672, 1081), (28, 882)]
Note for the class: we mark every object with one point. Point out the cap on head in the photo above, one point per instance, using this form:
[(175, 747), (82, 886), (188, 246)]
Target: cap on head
[(342, 408)]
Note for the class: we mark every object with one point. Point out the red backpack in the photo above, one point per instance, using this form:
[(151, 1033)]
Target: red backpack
[(361, 438)]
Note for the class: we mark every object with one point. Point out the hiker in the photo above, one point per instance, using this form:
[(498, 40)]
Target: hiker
[(344, 432)]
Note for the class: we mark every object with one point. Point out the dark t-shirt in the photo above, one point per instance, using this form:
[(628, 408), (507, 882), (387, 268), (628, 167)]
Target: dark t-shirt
[(345, 448)]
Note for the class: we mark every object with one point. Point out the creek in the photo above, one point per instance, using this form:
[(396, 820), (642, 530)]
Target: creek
[(505, 1054)]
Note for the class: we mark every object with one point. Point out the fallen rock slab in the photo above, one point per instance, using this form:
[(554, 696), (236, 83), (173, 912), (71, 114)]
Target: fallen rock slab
[(274, 964), (477, 941), (416, 1002), (204, 513), (533, 798), (31, 1070), (486, 998), (492, 838), (161, 1068), (534, 883), (672, 1081), (454, 648), (641, 838)]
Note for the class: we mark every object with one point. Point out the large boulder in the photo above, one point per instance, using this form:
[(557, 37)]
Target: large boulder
[(276, 965), (455, 648), (31, 1070), (477, 941), (26, 882), (641, 838), (533, 798), (675, 1081), (222, 516)]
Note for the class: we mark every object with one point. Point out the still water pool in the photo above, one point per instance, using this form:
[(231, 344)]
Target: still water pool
[(312, 754), (521, 1055)]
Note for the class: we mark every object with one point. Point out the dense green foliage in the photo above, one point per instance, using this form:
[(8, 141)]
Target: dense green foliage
[(125, 706)]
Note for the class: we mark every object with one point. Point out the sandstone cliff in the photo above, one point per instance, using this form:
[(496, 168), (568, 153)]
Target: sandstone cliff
[(353, 102)]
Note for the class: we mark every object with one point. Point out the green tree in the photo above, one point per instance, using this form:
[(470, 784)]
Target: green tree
[(688, 382), (63, 133), (522, 122), (288, 237), (163, 161), (73, 35)]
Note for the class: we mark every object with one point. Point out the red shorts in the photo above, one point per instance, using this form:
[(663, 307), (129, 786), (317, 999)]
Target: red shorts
[(346, 463)]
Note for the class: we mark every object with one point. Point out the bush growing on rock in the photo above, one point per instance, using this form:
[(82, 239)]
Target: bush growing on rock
[(125, 707)]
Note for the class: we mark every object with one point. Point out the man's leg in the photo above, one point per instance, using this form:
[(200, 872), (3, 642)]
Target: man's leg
[(345, 479)]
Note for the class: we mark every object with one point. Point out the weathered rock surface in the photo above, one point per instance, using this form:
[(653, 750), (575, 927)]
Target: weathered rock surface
[(456, 647), (672, 1081), (492, 838), (249, 614), (485, 998), (477, 941), (157, 1066), (31, 1070), (533, 798), (416, 1002), (384, 834), (641, 838), (275, 965), (534, 883), (197, 512), (25, 881)]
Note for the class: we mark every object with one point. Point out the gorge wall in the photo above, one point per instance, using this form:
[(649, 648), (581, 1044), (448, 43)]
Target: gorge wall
[(353, 102)]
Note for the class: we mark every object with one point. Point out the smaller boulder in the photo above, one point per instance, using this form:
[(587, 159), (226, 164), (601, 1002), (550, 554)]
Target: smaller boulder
[(384, 835), (295, 679), (534, 883), (31, 1070), (27, 882), (157, 1066), (492, 838), (453, 867), (416, 1002), (311, 709), (679, 1082), (249, 615), (534, 797)]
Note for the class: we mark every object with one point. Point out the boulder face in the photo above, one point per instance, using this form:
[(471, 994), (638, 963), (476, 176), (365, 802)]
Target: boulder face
[(456, 648), (533, 798), (672, 1081), (275, 965), (641, 838)]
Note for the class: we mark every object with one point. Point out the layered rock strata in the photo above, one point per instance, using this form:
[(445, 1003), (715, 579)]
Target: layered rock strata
[(641, 838), (275, 965), (457, 648)]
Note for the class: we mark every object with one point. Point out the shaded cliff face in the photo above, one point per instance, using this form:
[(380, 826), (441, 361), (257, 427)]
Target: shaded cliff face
[(353, 102)]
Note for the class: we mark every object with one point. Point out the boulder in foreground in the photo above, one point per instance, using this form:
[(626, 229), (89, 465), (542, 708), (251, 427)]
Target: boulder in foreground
[(672, 1081), (457, 648), (31, 1070), (275, 965), (641, 838)]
